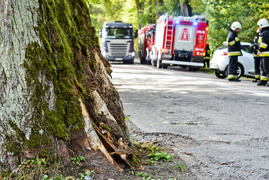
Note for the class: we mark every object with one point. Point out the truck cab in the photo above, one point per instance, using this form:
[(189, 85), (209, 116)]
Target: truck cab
[(117, 41), (146, 40)]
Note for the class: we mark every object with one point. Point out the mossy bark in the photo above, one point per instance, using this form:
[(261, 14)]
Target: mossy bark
[(50, 67)]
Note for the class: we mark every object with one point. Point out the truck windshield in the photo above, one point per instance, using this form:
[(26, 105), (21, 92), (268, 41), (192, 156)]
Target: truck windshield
[(119, 33)]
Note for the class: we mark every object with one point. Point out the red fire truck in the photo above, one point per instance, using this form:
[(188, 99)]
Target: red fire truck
[(146, 37), (179, 41)]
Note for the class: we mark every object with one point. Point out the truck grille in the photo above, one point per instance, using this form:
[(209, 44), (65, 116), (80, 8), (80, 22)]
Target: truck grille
[(118, 50)]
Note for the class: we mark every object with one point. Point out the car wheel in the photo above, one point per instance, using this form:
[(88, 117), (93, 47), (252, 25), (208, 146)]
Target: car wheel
[(220, 75), (240, 71)]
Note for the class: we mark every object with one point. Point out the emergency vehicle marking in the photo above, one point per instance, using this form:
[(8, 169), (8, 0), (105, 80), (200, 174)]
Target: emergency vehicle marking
[(185, 35), (200, 32), (199, 49)]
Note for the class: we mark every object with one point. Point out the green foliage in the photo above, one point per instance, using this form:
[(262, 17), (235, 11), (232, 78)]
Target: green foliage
[(138, 12), (222, 14), (78, 160), (113, 10), (86, 174), (161, 156), (31, 169), (181, 167), (39, 168)]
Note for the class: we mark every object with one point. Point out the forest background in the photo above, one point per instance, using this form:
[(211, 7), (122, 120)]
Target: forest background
[(219, 13)]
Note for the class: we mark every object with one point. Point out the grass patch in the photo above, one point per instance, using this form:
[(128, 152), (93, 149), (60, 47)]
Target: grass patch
[(40, 168)]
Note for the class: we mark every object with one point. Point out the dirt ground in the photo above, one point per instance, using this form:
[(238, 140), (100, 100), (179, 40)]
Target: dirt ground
[(161, 170)]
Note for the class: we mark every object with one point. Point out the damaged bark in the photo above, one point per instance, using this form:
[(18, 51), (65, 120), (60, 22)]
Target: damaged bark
[(56, 97)]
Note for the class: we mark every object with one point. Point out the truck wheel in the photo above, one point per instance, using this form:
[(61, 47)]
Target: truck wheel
[(142, 60), (165, 66), (191, 69), (220, 75), (128, 62)]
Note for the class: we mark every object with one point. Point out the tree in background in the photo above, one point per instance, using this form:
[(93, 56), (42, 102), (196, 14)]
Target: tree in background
[(141, 12), (222, 14)]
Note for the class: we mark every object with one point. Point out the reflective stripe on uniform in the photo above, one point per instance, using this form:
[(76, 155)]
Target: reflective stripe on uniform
[(264, 54), (234, 53), (255, 55), (237, 39), (232, 43), (264, 78), (257, 76), (230, 76), (260, 40), (263, 45)]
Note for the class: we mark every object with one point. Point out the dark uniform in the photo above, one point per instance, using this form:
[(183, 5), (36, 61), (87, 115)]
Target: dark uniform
[(234, 50), (255, 47), (207, 56), (264, 55)]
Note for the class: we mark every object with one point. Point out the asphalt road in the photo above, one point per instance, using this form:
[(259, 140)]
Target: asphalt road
[(226, 124)]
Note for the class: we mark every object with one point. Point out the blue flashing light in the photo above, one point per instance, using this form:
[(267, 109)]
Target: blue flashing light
[(177, 22), (195, 23)]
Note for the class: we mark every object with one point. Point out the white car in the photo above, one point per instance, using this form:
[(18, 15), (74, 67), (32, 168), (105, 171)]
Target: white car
[(220, 61)]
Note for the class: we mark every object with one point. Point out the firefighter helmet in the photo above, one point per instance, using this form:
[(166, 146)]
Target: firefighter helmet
[(262, 23), (235, 25)]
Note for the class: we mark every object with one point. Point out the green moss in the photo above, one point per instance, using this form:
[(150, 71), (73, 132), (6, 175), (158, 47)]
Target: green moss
[(106, 127), (5, 173), (64, 29)]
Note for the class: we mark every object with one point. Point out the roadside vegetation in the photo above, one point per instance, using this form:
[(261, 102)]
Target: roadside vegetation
[(152, 160)]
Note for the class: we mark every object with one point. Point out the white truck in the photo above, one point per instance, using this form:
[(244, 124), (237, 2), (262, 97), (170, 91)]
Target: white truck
[(117, 41)]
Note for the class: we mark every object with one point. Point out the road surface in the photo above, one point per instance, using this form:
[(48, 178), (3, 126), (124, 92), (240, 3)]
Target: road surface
[(225, 124)]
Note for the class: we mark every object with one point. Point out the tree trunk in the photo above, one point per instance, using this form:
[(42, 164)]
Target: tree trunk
[(139, 9), (186, 9), (56, 97)]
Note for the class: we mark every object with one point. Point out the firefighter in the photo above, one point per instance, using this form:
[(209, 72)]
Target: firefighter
[(234, 50), (263, 52), (207, 56), (255, 47)]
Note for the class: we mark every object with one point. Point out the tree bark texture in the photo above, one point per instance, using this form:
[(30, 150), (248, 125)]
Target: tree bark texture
[(56, 97)]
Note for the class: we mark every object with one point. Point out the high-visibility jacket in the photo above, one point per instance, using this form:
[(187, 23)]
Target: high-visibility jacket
[(234, 46), (254, 46), (264, 43), (207, 53)]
